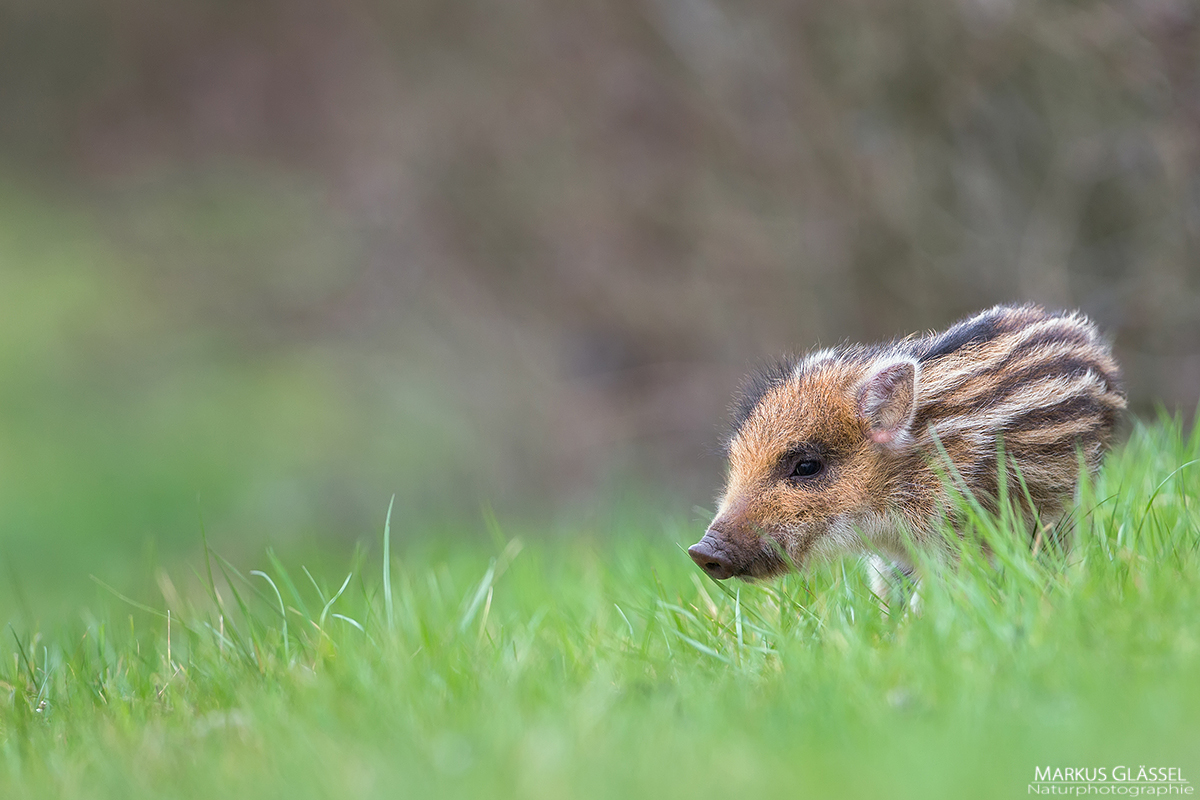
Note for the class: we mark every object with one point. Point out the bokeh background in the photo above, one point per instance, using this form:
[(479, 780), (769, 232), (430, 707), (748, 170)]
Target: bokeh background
[(263, 264)]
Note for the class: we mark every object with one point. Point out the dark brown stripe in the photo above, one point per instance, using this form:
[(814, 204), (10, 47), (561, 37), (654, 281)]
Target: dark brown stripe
[(1076, 407), (1006, 387), (1070, 335), (973, 331)]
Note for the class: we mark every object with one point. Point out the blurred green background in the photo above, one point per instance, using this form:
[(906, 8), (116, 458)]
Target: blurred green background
[(267, 263)]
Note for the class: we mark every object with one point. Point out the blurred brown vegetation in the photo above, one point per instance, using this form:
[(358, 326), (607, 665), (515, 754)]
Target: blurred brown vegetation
[(581, 223)]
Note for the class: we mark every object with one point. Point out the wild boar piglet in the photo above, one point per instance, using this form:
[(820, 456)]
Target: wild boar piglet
[(845, 450)]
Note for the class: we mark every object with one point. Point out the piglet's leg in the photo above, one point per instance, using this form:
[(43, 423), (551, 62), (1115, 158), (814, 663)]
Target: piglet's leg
[(896, 585)]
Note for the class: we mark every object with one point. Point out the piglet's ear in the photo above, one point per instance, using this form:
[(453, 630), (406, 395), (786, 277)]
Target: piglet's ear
[(887, 401)]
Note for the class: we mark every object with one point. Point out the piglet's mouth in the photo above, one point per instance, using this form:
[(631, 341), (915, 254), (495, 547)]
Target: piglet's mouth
[(721, 561)]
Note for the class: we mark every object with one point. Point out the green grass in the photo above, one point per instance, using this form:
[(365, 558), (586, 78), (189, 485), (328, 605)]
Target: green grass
[(585, 667)]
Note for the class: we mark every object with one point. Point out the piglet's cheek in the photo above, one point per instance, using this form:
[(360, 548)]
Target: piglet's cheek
[(806, 509)]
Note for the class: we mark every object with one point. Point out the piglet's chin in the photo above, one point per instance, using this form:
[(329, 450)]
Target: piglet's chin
[(770, 566)]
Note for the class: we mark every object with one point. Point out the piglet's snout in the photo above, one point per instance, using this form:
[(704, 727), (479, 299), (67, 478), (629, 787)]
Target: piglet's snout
[(709, 554)]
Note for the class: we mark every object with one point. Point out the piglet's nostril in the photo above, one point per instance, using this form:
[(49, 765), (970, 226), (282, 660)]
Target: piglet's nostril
[(710, 559)]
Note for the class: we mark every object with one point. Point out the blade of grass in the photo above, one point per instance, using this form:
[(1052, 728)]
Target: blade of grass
[(387, 565)]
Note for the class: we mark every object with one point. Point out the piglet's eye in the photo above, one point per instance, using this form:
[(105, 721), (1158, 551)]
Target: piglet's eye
[(806, 468)]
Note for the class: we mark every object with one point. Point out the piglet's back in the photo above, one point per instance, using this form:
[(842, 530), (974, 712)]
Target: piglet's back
[(1044, 384)]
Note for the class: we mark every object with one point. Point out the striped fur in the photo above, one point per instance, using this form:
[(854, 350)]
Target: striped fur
[(880, 423)]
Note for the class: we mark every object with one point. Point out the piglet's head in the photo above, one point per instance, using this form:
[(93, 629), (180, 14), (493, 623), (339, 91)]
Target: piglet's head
[(813, 447)]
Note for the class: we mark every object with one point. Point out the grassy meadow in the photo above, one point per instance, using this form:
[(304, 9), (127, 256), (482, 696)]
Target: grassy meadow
[(265, 267), (608, 666)]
